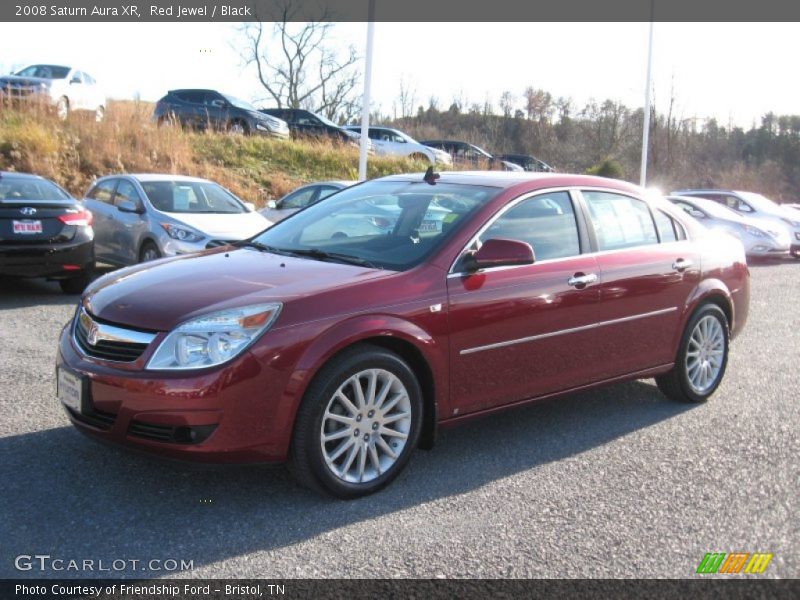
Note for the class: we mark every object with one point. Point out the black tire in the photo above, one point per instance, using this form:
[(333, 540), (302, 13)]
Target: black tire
[(237, 126), (148, 252), (676, 384), (75, 285), (306, 460)]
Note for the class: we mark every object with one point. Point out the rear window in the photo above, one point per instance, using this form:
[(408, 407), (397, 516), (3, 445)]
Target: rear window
[(620, 221), (23, 188)]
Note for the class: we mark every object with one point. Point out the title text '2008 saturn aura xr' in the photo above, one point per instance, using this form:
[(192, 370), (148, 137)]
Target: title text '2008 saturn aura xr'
[(342, 354)]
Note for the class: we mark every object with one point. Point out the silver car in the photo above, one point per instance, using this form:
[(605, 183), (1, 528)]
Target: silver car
[(771, 215), (305, 195), (757, 237), (143, 217)]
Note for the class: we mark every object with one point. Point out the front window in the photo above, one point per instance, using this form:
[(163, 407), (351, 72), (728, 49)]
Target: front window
[(191, 197), (385, 224), (44, 72), (238, 103), (22, 188)]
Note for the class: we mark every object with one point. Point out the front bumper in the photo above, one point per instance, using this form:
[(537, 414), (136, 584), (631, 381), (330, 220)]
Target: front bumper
[(46, 260), (222, 415)]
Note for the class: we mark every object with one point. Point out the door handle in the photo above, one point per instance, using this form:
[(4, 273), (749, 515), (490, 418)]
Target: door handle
[(681, 265), (580, 280)]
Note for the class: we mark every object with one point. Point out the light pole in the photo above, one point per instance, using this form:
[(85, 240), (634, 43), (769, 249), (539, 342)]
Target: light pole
[(646, 120), (362, 157)]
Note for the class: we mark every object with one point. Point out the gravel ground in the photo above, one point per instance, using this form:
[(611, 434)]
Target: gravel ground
[(617, 482)]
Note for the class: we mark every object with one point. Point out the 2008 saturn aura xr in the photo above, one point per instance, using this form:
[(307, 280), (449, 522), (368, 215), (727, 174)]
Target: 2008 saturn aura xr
[(342, 354)]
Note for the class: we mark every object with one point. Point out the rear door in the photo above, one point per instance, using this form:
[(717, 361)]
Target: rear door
[(100, 201), (648, 270), (525, 331)]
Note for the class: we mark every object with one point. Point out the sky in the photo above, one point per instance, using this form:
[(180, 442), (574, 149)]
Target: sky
[(734, 72)]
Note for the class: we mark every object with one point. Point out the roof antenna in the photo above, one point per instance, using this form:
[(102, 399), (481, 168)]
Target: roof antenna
[(430, 177)]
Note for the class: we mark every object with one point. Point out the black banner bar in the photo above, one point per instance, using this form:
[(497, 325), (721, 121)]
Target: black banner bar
[(443, 11), (388, 589)]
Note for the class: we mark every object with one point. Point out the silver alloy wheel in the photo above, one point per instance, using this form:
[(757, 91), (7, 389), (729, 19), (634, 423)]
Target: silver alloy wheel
[(62, 108), (149, 254), (237, 127), (365, 426), (705, 354), (99, 114)]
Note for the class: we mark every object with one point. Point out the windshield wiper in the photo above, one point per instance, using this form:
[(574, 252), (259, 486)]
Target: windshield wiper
[(334, 256), (261, 247)]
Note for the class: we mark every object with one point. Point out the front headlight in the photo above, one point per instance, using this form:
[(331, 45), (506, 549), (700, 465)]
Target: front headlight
[(182, 234), (753, 231), (214, 338)]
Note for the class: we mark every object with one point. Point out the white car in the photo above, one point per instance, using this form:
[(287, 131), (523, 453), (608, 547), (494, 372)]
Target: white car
[(392, 142), (65, 88)]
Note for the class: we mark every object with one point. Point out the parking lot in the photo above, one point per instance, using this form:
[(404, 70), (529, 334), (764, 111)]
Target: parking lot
[(617, 482)]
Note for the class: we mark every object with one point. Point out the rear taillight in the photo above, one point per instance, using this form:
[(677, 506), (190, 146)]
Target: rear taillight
[(83, 218)]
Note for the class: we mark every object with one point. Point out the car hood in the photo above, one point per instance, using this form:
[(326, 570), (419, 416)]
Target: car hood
[(160, 295), (238, 226)]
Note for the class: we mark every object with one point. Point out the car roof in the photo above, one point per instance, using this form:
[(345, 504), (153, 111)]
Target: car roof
[(156, 177), (14, 174), (509, 179), (194, 90)]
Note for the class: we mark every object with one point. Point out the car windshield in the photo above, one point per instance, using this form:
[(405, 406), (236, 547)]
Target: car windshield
[(758, 201), (24, 188), (385, 224), (238, 103), (715, 209), (191, 197), (44, 72)]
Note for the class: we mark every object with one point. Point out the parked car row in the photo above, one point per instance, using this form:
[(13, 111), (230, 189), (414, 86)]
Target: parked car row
[(122, 220), (764, 227)]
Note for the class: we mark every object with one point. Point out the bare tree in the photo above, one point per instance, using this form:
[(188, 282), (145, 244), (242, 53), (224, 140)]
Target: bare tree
[(407, 97), (507, 103), (298, 69)]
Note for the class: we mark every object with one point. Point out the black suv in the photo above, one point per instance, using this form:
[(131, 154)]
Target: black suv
[(202, 109), (304, 123), (469, 154), (527, 162)]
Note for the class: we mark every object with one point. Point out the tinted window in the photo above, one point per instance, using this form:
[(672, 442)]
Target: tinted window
[(546, 222), (126, 191), (191, 97), (24, 188), (191, 197), (326, 191), (666, 227), (620, 221), (393, 225), (299, 199), (103, 191), (44, 71)]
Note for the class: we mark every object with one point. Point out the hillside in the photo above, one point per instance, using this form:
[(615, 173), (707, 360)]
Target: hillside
[(77, 150)]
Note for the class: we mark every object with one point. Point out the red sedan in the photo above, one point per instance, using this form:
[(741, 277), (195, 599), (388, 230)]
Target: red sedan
[(343, 352)]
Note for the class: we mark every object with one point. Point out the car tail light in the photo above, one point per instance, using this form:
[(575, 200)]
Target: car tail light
[(84, 218)]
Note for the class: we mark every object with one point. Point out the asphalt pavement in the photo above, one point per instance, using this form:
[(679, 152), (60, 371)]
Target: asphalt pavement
[(615, 482)]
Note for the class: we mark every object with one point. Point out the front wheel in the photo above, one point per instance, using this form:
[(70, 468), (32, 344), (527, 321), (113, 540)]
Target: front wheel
[(358, 424), (149, 252), (62, 108), (702, 357)]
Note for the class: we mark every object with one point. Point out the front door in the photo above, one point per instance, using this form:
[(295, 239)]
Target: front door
[(526, 331)]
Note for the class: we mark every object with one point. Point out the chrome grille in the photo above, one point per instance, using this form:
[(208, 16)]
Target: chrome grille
[(108, 342)]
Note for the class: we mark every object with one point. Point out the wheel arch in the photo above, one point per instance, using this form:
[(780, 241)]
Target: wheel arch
[(419, 349), (714, 291)]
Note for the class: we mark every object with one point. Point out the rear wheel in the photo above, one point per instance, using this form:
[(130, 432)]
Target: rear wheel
[(702, 357), (358, 424), (149, 252), (420, 157), (238, 127)]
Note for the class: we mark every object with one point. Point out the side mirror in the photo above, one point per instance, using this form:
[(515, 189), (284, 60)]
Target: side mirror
[(499, 253), (250, 206), (272, 204), (128, 206)]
